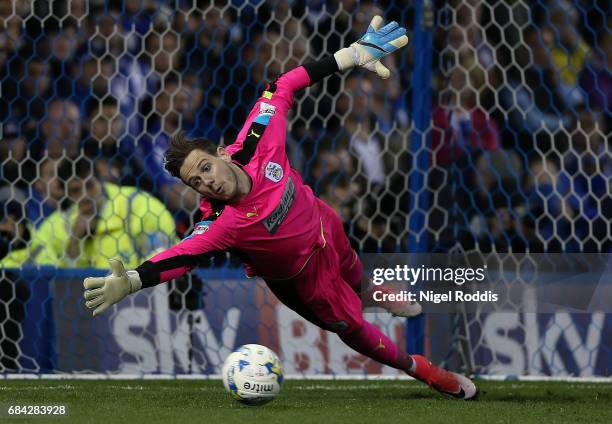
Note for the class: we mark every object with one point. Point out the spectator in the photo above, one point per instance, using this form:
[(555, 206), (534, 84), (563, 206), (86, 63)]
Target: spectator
[(568, 51), (389, 107), (60, 132), (206, 38), (332, 158), (339, 193), (372, 231), (13, 151), (460, 125), (163, 46), (126, 76), (222, 61), (109, 36), (360, 125), (585, 181), (105, 221), (64, 44), (58, 135), (90, 85), (504, 223), (11, 39), (46, 194), (108, 145), (34, 176), (168, 106), (532, 98), (589, 166), (596, 78), (26, 87), (547, 209), (137, 19), (196, 121), (488, 183)]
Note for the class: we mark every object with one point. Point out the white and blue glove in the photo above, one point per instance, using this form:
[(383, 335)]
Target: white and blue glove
[(103, 292), (373, 46)]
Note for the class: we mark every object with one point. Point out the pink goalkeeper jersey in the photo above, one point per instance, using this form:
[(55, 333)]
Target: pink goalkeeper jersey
[(277, 225)]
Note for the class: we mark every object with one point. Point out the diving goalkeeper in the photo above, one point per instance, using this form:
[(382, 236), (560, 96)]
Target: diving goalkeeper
[(255, 204)]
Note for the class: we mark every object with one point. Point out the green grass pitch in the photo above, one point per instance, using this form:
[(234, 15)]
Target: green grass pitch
[(309, 401)]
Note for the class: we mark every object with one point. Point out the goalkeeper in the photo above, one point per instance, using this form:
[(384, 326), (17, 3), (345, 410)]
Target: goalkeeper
[(255, 204)]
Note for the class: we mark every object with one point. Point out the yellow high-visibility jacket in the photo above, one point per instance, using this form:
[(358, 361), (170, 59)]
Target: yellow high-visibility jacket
[(569, 64), (132, 225)]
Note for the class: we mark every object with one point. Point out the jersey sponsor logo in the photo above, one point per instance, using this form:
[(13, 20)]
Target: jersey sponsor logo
[(254, 134), (274, 171), (200, 228), (275, 219), (267, 109)]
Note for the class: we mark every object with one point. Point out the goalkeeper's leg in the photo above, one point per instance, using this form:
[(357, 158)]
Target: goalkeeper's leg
[(320, 295), (367, 339), (351, 267)]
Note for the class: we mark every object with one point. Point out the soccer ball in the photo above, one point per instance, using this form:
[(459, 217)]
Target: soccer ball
[(252, 374)]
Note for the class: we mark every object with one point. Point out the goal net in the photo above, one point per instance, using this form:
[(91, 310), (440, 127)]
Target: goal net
[(521, 164), (491, 135)]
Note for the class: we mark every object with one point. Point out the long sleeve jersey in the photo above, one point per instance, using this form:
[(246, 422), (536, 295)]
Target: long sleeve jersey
[(277, 225)]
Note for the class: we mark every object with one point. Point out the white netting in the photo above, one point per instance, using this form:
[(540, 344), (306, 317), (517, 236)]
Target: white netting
[(517, 159), (522, 163)]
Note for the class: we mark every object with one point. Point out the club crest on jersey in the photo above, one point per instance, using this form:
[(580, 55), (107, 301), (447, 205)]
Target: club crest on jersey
[(274, 172)]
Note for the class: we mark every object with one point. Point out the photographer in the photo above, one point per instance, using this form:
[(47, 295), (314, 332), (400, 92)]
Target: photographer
[(103, 221)]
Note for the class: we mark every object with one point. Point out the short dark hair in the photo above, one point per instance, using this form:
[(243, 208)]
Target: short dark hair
[(179, 149)]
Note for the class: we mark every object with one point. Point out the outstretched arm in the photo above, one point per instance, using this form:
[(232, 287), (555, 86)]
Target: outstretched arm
[(206, 239), (376, 43)]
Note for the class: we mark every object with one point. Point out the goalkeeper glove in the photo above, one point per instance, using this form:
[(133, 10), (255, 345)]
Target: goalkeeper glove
[(103, 292), (373, 46)]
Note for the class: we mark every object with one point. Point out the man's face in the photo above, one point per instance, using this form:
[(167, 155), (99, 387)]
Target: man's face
[(211, 176), (38, 80), (85, 194), (62, 128), (47, 183), (107, 124)]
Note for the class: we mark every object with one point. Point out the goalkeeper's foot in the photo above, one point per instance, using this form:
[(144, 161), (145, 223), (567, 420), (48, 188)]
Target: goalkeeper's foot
[(446, 382)]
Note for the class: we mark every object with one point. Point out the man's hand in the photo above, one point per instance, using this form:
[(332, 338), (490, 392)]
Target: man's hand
[(373, 46), (103, 292)]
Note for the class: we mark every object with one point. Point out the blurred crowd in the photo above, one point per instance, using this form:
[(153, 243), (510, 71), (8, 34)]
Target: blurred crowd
[(522, 126), (92, 91)]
